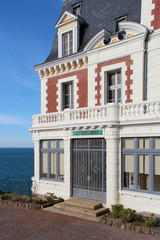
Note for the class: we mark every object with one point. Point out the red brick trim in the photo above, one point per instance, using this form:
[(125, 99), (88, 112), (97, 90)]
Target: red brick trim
[(128, 73), (156, 13), (82, 76)]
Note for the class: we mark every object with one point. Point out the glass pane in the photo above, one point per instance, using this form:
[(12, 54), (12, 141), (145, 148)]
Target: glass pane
[(70, 35), (52, 165), (61, 144), (143, 172), (111, 95), (129, 171), (67, 101), (156, 143), (53, 144), (118, 78), (44, 165), (156, 173), (112, 79), (44, 144), (143, 143), (128, 143), (118, 95), (67, 88), (61, 166)]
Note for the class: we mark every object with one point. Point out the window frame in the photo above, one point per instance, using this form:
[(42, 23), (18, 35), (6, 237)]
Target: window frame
[(151, 152), (69, 49), (57, 150), (118, 20), (71, 95), (114, 87), (78, 5)]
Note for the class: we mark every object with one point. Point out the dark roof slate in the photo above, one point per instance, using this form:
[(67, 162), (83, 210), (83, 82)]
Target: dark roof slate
[(98, 14)]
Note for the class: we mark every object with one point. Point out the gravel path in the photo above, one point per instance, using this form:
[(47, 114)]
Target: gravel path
[(20, 224)]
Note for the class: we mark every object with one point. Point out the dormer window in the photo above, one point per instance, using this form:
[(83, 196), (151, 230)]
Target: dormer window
[(68, 33), (77, 9), (67, 43), (118, 20)]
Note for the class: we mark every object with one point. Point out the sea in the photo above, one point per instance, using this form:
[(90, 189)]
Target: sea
[(16, 169)]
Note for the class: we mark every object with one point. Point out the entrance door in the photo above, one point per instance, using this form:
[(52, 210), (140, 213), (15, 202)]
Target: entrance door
[(89, 168)]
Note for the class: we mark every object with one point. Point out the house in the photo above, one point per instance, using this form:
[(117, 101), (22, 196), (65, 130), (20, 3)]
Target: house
[(98, 134)]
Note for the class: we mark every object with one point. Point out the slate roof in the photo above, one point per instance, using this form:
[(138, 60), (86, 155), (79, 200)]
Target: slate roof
[(98, 14)]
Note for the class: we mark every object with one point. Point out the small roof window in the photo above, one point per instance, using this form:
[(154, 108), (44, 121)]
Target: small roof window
[(120, 19), (77, 9)]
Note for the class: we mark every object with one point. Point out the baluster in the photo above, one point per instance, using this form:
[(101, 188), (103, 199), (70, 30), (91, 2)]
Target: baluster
[(151, 108), (156, 108), (89, 114), (142, 109)]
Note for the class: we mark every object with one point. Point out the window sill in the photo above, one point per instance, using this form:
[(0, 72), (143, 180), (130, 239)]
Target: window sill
[(140, 194), (55, 182)]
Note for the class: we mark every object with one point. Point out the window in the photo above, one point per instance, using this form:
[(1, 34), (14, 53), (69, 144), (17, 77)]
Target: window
[(141, 164), (67, 43), (52, 159), (118, 20), (114, 87), (77, 9), (68, 95)]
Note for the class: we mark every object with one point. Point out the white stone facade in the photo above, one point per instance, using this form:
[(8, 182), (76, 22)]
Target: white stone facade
[(135, 116)]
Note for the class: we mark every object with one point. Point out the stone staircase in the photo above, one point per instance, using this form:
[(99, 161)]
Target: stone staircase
[(79, 207)]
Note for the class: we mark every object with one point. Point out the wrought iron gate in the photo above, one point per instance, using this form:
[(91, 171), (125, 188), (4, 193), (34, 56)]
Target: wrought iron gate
[(89, 168)]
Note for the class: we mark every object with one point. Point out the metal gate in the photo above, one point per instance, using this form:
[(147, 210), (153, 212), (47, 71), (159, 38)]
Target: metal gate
[(89, 168)]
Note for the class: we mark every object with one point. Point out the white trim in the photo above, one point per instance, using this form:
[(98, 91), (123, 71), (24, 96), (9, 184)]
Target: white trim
[(75, 31), (60, 91), (96, 40), (113, 67), (66, 13), (132, 28)]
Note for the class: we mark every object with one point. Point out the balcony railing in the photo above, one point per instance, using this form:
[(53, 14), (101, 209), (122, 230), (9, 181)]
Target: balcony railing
[(112, 113)]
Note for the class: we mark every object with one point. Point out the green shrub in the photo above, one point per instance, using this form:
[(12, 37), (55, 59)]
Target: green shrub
[(116, 210), (151, 222), (38, 201), (128, 215), (26, 199), (3, 196), (139, 218), (50, 197), (15, 197)]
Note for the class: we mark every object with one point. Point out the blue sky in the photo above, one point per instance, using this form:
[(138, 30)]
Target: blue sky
[(26, 35)]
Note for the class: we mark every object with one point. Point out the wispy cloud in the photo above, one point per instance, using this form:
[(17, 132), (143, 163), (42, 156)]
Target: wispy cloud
[(9, 119)]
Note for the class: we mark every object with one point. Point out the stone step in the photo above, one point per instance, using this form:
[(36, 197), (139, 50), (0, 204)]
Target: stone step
[(84, 203), (80, 210), (71, 214)]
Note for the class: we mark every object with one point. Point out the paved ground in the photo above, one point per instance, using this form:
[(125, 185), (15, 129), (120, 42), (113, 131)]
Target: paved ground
[(20, 224)]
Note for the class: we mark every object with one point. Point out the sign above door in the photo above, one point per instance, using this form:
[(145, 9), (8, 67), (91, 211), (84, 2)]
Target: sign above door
[(87, 132)]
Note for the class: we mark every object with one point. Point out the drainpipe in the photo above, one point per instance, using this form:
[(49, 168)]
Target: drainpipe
[(145, 90)]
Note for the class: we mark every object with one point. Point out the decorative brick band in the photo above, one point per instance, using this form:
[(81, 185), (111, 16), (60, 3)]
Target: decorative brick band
[(82, 92), (128, 73), (156, 13)]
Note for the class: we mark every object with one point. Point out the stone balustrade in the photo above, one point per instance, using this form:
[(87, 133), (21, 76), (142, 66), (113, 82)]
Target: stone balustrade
[(112, 113)]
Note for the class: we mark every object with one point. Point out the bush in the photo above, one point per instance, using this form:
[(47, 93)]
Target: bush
[(139, 218), (128, 215), (3, 196), (38, 201), (26, 199), (151, 222), (116, 210), (15, 197), (50, 197)]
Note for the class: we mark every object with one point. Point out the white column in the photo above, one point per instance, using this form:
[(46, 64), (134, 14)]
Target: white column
[(112, 171), (67, 168), (36, 176)]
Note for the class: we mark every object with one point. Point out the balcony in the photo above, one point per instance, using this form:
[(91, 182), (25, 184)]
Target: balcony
[(110, 114)]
